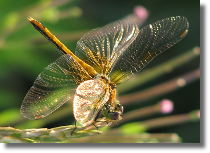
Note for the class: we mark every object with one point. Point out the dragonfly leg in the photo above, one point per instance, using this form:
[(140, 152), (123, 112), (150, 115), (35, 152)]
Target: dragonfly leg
[(74, 128), (96, 127)]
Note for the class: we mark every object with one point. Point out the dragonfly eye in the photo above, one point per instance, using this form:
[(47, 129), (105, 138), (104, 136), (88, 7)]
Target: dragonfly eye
[(113, 114)]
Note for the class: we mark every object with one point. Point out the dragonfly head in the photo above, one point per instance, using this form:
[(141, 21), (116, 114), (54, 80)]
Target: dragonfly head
[(113, 113)]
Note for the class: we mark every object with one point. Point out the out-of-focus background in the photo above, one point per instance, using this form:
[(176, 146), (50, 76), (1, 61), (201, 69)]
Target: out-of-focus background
[(24, 53)]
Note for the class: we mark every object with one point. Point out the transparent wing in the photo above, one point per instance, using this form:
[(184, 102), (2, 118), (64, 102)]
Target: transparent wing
[(101, 47), (53, 87), (90, 97), (152, 40)]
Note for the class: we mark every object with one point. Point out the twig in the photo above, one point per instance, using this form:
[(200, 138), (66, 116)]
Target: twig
[(136, 138), (160, 89), (149, 74), (57, 134), (139, 127)]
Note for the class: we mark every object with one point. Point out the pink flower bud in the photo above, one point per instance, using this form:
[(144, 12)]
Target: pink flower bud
[(141, 12), (166, 106)]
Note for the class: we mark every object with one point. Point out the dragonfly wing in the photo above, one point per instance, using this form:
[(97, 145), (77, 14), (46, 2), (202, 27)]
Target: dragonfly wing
[(53, 87), (152, 40), (90, 97), (102, 46)]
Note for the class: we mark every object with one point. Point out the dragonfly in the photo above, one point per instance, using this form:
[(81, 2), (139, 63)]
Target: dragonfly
[(104, 58)]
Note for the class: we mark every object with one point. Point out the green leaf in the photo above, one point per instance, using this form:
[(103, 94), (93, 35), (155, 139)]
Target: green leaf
[(132, 128)]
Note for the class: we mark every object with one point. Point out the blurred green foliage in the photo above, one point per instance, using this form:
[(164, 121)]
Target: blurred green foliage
[(24, 53)]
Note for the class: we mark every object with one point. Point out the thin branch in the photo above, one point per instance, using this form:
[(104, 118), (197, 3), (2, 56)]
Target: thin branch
[(156, 123), (160, 89), (57, 134), (166, 67), (136, 138)]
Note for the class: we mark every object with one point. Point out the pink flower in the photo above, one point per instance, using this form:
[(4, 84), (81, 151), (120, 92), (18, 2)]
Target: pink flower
[(141, 12), (166, 106)]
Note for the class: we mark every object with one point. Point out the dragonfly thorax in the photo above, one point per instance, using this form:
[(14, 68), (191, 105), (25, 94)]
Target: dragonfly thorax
[(90, 98)]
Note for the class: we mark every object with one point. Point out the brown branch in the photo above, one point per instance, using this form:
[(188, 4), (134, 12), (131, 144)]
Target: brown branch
[(161, 89)]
